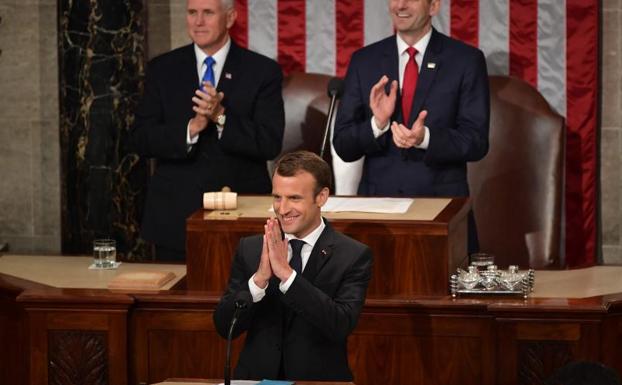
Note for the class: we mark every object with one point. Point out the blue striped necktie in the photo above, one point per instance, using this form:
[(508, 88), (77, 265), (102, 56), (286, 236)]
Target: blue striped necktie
[(208, 75)]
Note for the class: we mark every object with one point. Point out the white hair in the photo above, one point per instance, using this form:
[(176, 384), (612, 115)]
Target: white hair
[(226, 4)]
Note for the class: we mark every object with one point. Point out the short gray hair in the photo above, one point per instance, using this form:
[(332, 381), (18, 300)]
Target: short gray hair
[(227, 4)]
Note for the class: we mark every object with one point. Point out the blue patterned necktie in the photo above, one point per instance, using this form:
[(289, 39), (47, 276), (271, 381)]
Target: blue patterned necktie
[(296, 261), (208, 75)]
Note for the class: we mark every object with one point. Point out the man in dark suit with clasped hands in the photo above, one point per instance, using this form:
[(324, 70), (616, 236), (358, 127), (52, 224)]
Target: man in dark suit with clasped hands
[(416, 105), (212, 115), (307, 281)]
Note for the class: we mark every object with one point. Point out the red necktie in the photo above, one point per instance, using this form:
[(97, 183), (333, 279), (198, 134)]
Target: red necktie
[(411, 73)]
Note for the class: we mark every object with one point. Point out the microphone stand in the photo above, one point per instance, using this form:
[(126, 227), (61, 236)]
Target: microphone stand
[(331, 112), (239, 306)]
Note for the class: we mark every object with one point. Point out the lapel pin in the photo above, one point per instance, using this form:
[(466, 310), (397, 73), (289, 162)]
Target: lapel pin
[(228, 75), (431, 65)]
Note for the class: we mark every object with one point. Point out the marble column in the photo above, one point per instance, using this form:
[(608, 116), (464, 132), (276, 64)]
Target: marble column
[(101, 59)]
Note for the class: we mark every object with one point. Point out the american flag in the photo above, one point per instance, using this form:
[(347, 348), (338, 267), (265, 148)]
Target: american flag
[(552, 44)]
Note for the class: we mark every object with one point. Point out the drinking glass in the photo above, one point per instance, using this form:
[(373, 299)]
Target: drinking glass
[(482, 259), (104, 253)]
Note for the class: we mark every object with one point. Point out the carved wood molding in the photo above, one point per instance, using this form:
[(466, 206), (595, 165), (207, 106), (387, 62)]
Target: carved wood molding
[(538, 359), (77, 357)]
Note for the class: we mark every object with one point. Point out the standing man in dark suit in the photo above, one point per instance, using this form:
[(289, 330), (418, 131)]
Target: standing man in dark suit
[(303, 310), (212, 115), (417, 106)]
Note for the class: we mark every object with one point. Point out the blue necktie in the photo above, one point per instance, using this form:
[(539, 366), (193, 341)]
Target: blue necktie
[(296, 261), (208, 75)]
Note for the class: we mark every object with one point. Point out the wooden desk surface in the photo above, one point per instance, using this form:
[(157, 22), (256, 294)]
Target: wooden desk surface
[(580, 283), (73, 272)]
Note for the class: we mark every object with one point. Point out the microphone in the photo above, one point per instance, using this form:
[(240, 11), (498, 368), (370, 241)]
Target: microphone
[(335, 90), (242, 300), (335, 87)]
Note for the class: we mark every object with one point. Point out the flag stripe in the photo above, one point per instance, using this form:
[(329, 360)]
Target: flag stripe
[(291, 34), (581, 167), (377, 22), (262, 21), (321, 37), (442, 20), (349, 31), (465, 21), (493, 36), (524, 40), (239, 31), (552, 54)]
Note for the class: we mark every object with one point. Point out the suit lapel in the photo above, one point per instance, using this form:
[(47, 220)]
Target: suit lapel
[(308, 273), (391, 68), (429, 67), (189, 78), (229, 74), (321, 253)]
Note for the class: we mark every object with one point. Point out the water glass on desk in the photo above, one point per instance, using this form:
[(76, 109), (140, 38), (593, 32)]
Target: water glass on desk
[(104, 253), (482, 260)]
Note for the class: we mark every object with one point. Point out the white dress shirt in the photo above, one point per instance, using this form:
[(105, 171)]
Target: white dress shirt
[(258, 293), (402, 48), (219, 62)]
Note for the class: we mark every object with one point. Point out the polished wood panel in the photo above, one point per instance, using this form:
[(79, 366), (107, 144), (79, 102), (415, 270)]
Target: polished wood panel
[(422, 349), (410, 257), (399, 339), (172, 342), (90, 324), (539, 347), (13, 333)]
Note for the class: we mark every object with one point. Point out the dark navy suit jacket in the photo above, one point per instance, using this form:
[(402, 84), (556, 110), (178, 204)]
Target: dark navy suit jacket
[(253, 134), (302, 333), (452, 87)]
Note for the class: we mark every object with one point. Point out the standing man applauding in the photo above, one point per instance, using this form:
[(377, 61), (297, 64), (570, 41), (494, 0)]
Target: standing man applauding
[(212, 115), (416, 105)]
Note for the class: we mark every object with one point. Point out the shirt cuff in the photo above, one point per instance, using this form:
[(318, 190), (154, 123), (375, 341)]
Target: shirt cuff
[(426, 139), (190, 141), (256, 292), (378, 131), (284, 286)]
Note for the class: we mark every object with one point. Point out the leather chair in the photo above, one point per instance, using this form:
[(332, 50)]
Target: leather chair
[(517, 189), (306, 110)]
